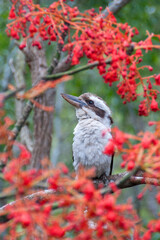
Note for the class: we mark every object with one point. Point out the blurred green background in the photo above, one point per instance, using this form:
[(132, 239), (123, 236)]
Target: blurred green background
[(142, 14)]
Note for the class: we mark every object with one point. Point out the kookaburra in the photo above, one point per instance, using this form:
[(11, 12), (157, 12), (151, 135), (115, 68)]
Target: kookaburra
[(94, 119)]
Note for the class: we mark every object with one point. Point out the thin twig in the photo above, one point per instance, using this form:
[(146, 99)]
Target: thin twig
[(57, 55), (37, 195), (22, 120), (11, 93), (70, 72)]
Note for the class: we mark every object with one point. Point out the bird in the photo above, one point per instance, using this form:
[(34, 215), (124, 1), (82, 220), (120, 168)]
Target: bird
[(91, 134)]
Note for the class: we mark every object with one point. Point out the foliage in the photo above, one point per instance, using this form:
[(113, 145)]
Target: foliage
[(74, 208), (83, 212), (144, 152), (98, 38)]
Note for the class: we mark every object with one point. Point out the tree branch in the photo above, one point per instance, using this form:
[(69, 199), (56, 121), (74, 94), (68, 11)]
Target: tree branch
[(128, 179), (10, 93), (70, 72), (122, 180), (38, 196), (41, 195), (22, 120), (57, 56), (115, 6), (18, 68)]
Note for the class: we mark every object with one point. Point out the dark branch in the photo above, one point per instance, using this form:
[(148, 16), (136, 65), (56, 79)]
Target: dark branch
[(123, 180), (70, 72), (22, 120), (9, 93)]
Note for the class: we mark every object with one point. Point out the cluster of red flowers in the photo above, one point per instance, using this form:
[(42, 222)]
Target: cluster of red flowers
[(100, 39), (45, 24), (71, 207), (142, 150), (83, 212)]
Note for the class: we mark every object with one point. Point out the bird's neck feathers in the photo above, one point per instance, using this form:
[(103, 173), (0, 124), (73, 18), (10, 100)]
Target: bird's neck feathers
[(90, 116)]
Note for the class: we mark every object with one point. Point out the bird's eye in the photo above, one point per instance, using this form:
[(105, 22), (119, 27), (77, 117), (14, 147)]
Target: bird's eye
[(90, 102)]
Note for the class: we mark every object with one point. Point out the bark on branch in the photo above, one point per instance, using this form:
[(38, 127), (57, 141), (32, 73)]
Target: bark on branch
[(76, 70), (21, 121), (115, 6)]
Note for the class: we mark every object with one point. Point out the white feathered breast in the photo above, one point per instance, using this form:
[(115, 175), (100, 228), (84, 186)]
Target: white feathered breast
[(88, 146)]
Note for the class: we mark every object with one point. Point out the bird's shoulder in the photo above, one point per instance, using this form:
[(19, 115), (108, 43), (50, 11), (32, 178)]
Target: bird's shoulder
[(91, 130), (90, 124)]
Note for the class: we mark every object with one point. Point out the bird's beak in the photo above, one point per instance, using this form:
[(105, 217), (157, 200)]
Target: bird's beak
[(75, 101)]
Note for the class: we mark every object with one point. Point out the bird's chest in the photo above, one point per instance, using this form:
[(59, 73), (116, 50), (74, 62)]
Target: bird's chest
[(88, 145)]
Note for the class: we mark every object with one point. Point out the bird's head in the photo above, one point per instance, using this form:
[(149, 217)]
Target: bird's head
[(88, 106)]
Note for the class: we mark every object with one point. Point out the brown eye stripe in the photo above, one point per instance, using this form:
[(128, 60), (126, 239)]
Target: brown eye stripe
[(99, 112)]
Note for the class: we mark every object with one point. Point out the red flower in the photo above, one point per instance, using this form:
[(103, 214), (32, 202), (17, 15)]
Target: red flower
[(25, 219), (154, 105), (22, 45), (47, 19), (119, 137), (150, 68), (157, 226), (123, 164), (12, 14), (53, 181), (89, 189), (158, 197), (53, 37), (111, 216), (143, 111), (32, 28), (147, 235), (37, 44), (36, 20), (24, 154), (148, 139), (55, 230), (14, 34), (157, 79), (151, 123), (130, 166), (77, 54), (64, 169), (109, 148), (109, 202), (149, 85)]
